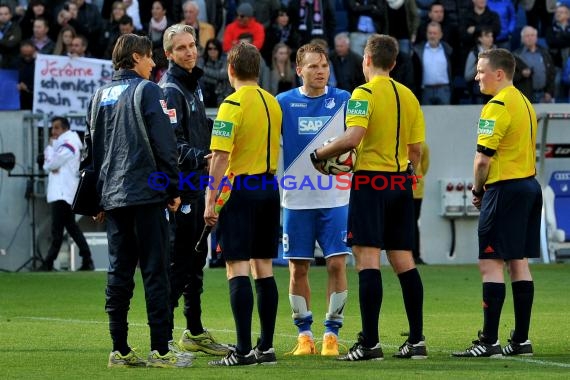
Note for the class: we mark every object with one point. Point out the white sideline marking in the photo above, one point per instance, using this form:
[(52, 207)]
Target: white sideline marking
[(82, 321)]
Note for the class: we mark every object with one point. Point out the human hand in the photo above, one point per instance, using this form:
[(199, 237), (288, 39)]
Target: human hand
[(476, 201), (210, 216), (317, 163), (173, 204), (100, 217)]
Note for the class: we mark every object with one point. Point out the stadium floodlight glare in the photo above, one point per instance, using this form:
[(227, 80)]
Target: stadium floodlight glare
[(7, 161)]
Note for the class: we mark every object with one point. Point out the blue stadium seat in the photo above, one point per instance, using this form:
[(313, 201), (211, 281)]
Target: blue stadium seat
[(557, 212)]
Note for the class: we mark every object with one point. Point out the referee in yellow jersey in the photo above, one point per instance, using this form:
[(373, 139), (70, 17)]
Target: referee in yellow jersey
[(386, 125), (510, 200), (245, 144)]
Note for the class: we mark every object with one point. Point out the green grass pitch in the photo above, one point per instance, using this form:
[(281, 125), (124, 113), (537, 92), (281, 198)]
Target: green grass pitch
[(53, 326)]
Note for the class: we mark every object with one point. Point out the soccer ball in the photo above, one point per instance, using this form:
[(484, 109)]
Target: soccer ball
[(343, 163)]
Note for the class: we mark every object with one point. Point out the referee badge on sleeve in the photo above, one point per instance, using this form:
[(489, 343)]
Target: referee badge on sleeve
[(357, 107), (222, 128), (486, 127)]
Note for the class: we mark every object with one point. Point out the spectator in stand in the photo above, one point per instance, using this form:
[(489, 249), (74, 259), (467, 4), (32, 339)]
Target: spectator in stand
[(541, 66), (347, 64), (437, 13), (126, 26), (477, 16), (244, 23), (264, 70), (212, 12), (215, 85), (10, 37), (26, 70), (539, 14), (508, 18), (67, 16), (565, 81), (522, 78), (64, 40), (132, 8), (36, 8), (484, 42), (313, 19), (433, 67), (78, 48), (40, 38), (403, 21), (204, 31), (279, 31), (282, 70), (558, 35), (111, 26), (89, 17), (17, 8), (265, 10), (365, 17), (455, 9), (158, 23), (403, 72)]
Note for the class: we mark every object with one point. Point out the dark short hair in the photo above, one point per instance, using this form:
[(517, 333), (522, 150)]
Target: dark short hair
[(126, 46), (383, 50), (126, 20), (500, 59), (245, 60), (63, 120), (310, 48)]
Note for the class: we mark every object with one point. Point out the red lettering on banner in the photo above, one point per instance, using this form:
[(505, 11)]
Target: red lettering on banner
[(66, 71)]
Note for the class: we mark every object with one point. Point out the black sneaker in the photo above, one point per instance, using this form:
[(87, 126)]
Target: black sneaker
[(265, 357), (359, 352), (412, 351), (480, 349), (515, 348), (87, 265), (235, 359)]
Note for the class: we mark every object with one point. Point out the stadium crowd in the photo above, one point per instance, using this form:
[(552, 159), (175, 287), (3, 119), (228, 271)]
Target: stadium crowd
[(449, 33)]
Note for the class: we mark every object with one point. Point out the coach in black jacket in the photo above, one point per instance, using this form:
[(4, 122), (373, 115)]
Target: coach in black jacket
[(193, 131), (133, 150)]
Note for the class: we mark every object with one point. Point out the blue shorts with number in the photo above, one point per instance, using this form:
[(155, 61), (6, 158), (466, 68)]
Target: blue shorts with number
[(301, 228)]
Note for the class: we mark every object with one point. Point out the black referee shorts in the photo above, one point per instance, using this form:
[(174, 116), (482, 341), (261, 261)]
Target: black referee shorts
[(248, 225), (509, 222), (381, 211)]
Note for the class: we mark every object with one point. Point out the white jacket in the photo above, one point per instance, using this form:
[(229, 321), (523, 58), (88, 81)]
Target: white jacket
[(62, 161)]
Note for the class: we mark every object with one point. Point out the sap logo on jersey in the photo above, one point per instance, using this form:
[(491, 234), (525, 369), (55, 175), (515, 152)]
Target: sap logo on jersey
[(311, 125)]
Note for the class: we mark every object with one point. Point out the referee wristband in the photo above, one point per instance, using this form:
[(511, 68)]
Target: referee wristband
[(478, 194)]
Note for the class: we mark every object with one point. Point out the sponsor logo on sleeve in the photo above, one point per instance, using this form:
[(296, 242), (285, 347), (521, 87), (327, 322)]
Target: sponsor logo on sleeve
[(172, 115), (164, 106), (486, 127), (223, 128), (357, 107)]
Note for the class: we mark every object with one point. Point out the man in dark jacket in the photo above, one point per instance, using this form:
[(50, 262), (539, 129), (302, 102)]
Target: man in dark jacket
[(193, 129), (346, 63), (132, 149), (10, 37)]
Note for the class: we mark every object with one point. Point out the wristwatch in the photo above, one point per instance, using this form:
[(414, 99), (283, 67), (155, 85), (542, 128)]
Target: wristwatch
[(478, 194), (314, 158)]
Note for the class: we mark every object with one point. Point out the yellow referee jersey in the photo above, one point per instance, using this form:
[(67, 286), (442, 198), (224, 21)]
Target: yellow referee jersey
[(392, 116), (508, 126), (248, 126)]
